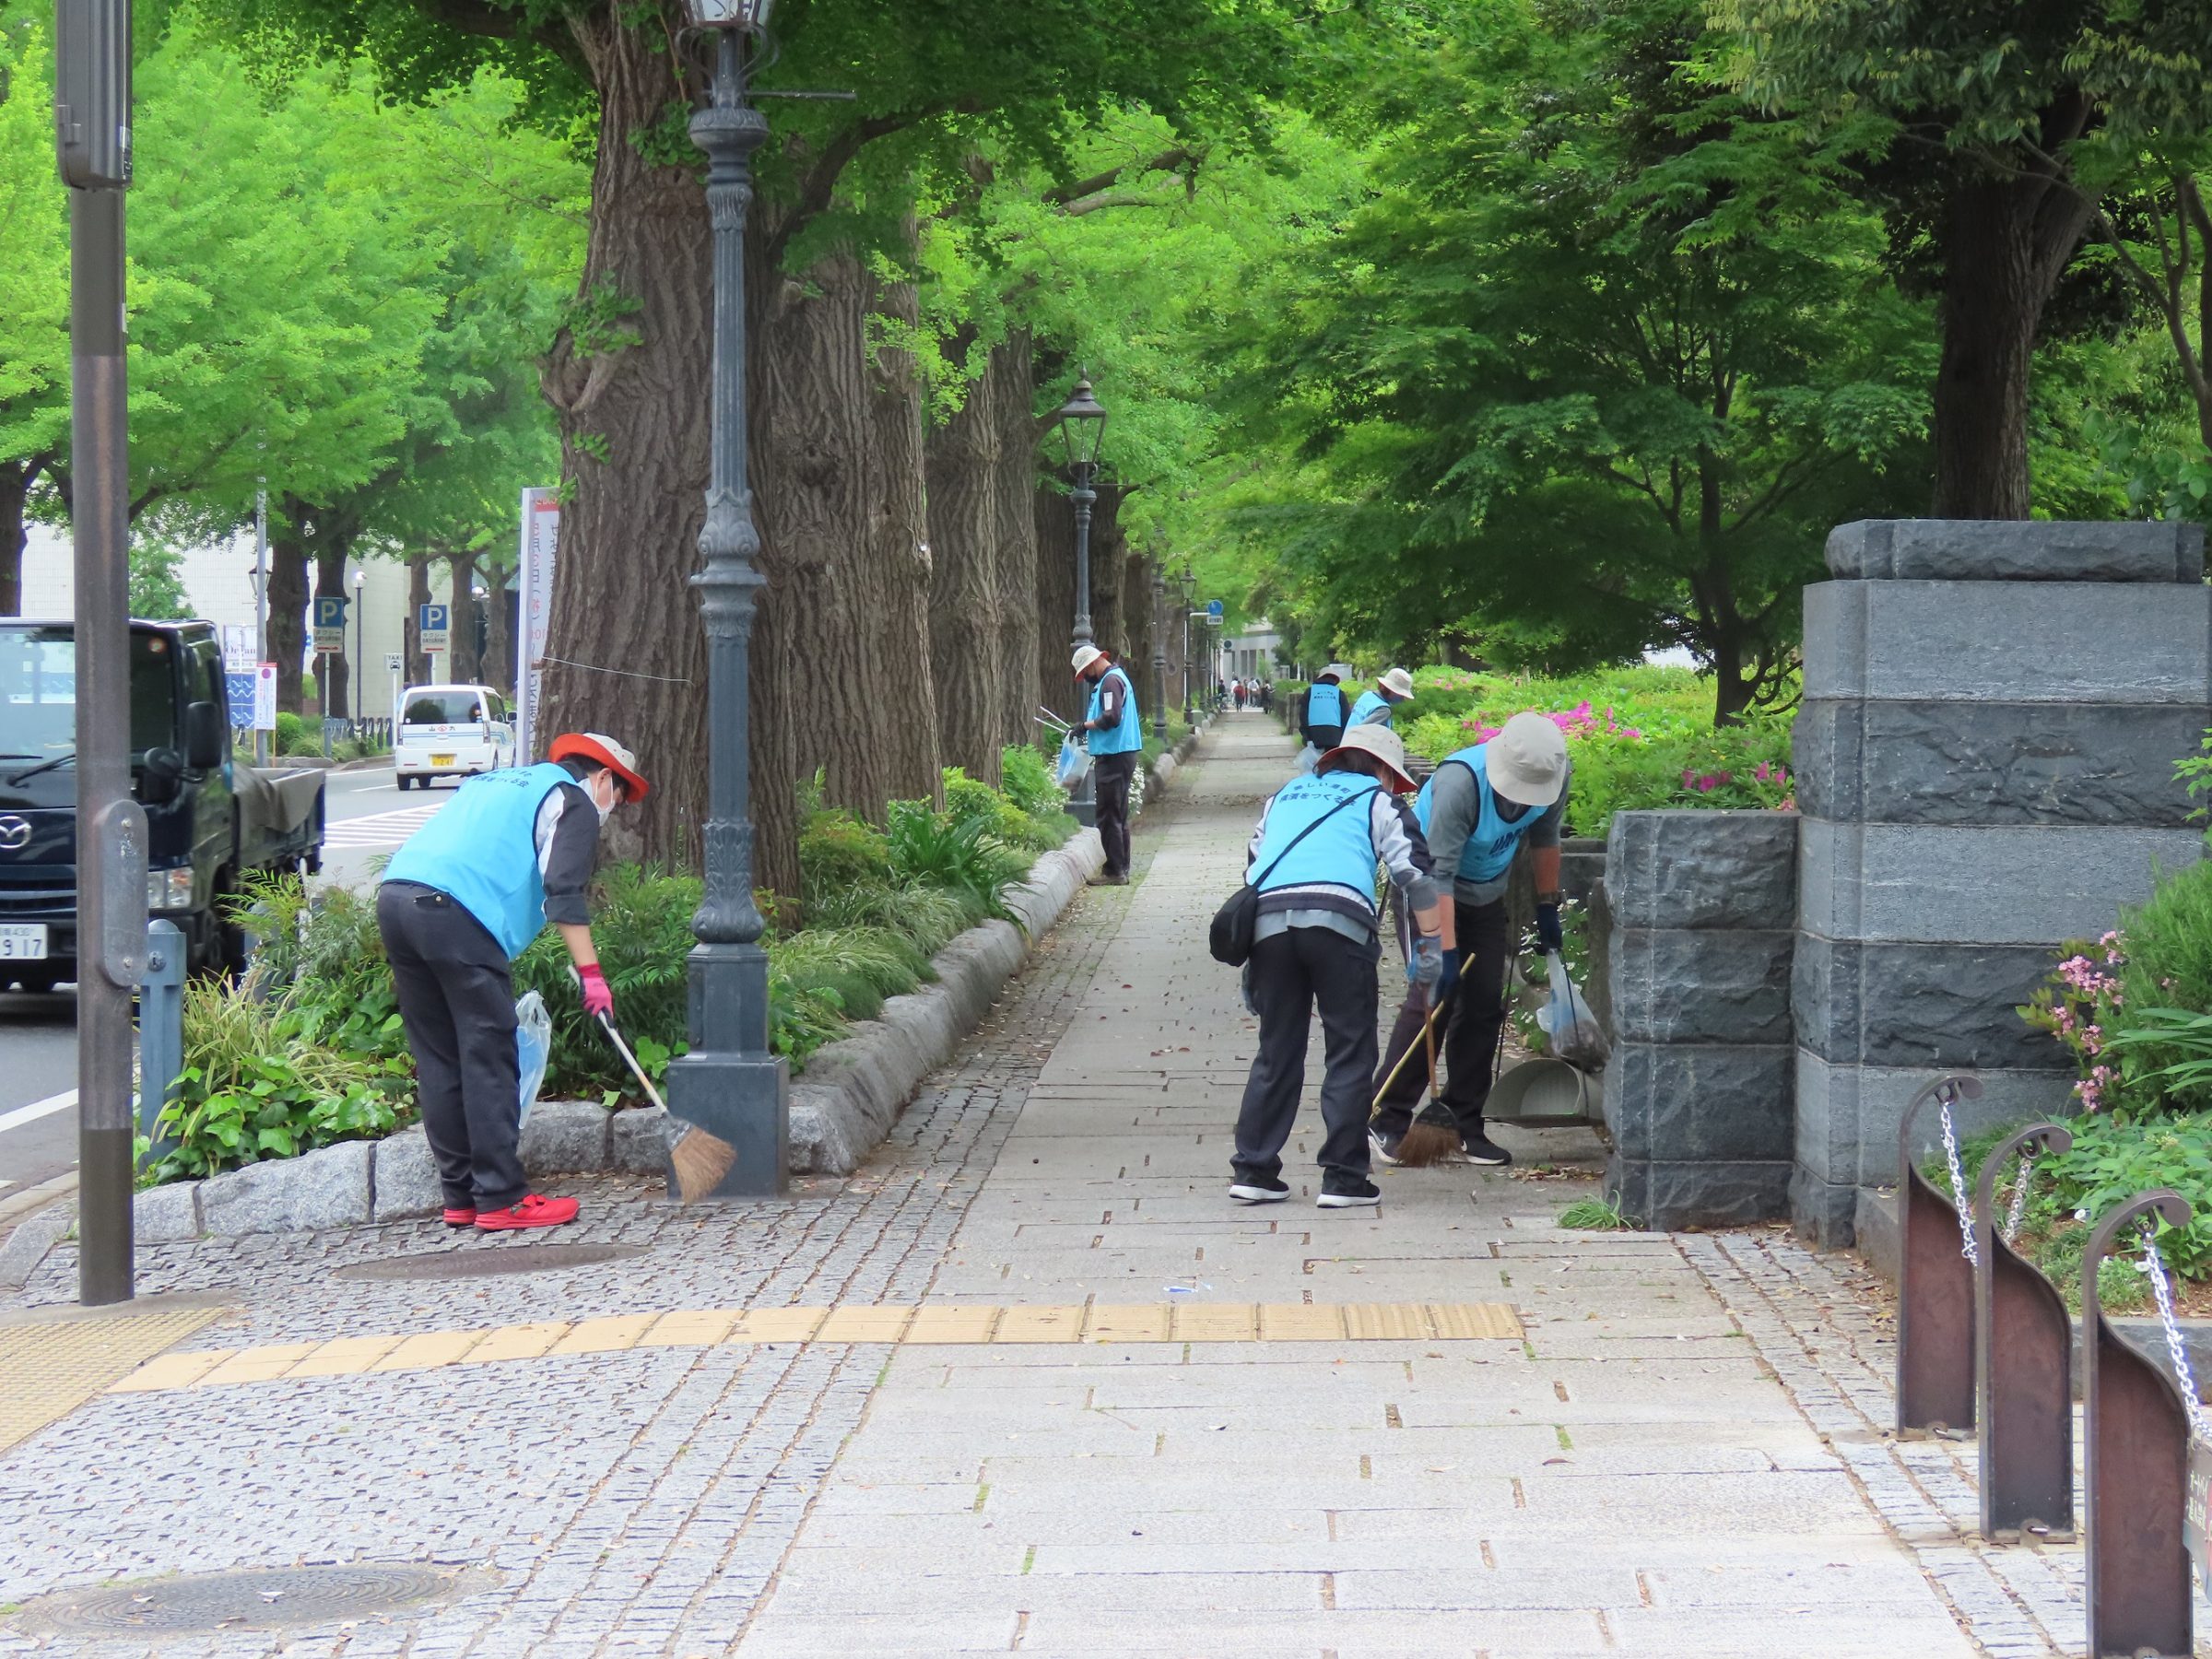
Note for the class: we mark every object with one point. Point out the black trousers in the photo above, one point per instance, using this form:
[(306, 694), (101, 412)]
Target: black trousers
[(1472, 1026), (456, 998), (1291, 972), (1110, 774), (1324, 739)]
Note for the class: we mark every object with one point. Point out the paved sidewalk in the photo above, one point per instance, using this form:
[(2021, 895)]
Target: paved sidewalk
[(1032, 1383)]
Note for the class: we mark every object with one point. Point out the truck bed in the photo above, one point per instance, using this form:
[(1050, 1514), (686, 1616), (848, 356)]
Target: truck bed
[(279, 815)]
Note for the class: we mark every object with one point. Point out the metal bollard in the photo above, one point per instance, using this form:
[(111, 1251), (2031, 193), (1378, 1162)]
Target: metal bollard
[(2137, 1468), (160, 1029), (1935, 1290), (2023, 1371)]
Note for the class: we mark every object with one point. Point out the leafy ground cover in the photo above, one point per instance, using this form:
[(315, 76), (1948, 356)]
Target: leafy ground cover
[(309, 1050), (1639, 737)]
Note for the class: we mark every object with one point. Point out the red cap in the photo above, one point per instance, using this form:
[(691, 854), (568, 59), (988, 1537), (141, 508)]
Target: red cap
[(592, 746)]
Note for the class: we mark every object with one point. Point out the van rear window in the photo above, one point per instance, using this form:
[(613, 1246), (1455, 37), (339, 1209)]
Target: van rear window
[(441, 708)]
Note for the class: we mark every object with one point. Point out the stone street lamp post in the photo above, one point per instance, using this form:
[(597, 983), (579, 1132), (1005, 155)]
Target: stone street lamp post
[(1159, 652), (1082, 423), (730, 1084)]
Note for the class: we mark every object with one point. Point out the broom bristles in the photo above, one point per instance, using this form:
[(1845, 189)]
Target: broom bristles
[(699, 1160), (1426, 1144)]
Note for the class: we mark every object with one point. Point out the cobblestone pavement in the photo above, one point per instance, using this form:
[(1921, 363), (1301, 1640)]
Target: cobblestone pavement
[(1684, 1455)]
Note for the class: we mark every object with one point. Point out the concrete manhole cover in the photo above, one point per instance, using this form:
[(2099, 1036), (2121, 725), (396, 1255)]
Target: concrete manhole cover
[(257, 1599), (487, 1263)]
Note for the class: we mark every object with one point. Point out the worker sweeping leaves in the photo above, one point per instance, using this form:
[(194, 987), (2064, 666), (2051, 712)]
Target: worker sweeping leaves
[(1482, 806), (1315, 943), (459, 902)]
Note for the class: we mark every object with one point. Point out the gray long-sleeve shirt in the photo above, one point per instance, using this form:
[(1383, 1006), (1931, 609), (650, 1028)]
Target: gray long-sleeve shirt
[(1455, 807)]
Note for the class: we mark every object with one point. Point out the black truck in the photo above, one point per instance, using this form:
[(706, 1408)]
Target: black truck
[(210, 819)]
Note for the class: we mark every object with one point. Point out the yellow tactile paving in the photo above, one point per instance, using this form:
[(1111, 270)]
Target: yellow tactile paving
[(257, 1364), (48, 1370), (951, 1322), (430, 1349), (1216, 1321), (1140, 1321), (604, 1335), (692, 1327), (1040, 1324), (937, 1325), (864, 1325)]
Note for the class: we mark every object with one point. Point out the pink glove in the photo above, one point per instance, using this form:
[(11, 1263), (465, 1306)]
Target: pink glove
[(597, 998)]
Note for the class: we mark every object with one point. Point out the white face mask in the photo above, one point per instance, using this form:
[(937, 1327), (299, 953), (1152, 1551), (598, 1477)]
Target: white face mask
[(614, 799)]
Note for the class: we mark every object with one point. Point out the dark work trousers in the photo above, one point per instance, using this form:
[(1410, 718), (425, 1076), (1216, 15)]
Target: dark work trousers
[(1472, 1025), (1291, 972), (456, 998), (1324, 739), (1111, 774)]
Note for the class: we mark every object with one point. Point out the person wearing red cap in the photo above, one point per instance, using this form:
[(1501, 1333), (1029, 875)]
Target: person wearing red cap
[(512, 851)]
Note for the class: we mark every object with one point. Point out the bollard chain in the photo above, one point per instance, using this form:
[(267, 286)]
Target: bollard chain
[(2019, 1199), (2154, 1269), (1960, 1201)]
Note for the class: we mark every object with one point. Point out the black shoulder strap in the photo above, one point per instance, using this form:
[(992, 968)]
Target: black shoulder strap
[(1364, 794)]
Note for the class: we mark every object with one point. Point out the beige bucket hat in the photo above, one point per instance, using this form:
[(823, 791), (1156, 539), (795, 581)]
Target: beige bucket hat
[(1527, 760)]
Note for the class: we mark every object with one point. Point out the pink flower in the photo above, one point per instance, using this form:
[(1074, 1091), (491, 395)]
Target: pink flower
[(1689, 779)]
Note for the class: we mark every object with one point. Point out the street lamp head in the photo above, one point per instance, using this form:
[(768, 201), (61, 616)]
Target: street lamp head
[(751, 15), (360, 579), (1082, 427), (478, 591)]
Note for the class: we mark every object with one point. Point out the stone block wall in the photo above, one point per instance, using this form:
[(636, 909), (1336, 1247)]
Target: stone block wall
[(1984, 763), (1698, 1090)]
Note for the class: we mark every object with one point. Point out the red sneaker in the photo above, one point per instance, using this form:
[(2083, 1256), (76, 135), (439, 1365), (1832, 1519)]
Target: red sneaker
[(533, 1211), (461, 1218)]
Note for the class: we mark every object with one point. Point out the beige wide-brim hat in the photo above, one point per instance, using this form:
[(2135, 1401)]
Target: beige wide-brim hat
[(1085, 656), (1527, 760), (1398, 683), (1339, 671), (1385, 744)]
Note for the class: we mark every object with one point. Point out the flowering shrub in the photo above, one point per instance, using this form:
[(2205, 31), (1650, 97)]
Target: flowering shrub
[(2080, 1005)]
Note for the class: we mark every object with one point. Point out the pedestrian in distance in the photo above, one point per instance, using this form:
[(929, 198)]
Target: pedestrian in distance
[(1483, 807), (1115, 735), (511, 852), (1324, 724), (1312, 861), (1375, 706)]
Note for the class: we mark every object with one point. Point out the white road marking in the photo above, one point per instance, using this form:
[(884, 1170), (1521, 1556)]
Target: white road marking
[(37, 1109), (381, 828)]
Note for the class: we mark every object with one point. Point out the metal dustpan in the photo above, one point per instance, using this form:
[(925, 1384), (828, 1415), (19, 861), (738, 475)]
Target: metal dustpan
[(1543, 1091)]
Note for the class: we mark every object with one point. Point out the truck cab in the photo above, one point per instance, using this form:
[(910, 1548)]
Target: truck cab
[(209, 820)]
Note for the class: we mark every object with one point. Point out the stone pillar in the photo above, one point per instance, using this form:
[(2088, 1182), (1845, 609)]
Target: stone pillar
[(1698, 1090), (1986, 766)]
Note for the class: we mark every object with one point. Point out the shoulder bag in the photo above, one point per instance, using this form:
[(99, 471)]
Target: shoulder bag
[(1229, 938)]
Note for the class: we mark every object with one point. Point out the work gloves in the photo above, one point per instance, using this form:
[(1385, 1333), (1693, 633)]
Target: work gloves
[(1548, 928), (598, 999), (1427, 963)]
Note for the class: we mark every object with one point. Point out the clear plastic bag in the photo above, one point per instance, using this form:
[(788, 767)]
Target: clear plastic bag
[(1567, 1022), (1075, 760), (1308, 758), (533, 1047)]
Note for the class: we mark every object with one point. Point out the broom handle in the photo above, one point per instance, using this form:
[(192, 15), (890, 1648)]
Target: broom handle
[(1427, 1031), (636, 1070)]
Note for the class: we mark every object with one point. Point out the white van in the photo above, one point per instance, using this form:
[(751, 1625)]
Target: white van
[(451, 731)]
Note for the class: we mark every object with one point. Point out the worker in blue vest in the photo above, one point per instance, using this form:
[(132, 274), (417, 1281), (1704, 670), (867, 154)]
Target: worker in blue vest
[(1324, 724), (1115, 733), (1313, 859), (511, 852), (1375, 706), (1483, 806)]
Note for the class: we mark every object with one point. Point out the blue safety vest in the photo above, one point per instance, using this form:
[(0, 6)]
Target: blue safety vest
[(482, 849), (1371, 708), (1125, 737), (1491, 843), (1325, 705), (1340, 853)]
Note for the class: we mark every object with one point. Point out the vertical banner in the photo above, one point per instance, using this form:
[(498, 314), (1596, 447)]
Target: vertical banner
[(541, 536)]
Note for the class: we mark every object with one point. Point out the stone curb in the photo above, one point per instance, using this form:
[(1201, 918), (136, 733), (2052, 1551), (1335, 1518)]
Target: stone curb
[(851, 1093), (35, 1235), (1168, 765)]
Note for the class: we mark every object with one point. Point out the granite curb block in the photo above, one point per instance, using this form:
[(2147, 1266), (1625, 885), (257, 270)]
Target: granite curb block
[(852, 1092), (33, 1236), (1168, 765)]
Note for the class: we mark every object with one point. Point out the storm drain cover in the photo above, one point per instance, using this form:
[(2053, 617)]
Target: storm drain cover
[(257, 1599), (489, 1263)]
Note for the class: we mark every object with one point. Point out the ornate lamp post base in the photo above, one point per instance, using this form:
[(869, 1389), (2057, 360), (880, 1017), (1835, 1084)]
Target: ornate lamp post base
[(742, 1100)]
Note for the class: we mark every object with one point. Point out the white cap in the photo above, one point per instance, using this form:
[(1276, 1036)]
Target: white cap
[(1339, 671), (1527, 760), (1380, 742), (1398, 683), (1085, 656)]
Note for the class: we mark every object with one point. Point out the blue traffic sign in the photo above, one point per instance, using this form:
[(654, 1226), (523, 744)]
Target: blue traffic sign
[(330, 611), (433, 617), (238, 687), (1214, 606)]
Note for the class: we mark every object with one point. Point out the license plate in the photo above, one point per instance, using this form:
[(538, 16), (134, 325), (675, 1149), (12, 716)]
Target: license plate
[(441, 759), (23, 942)]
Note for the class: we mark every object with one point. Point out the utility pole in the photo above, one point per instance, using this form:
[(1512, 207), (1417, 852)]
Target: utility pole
[(261, 605), (92, 142)]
